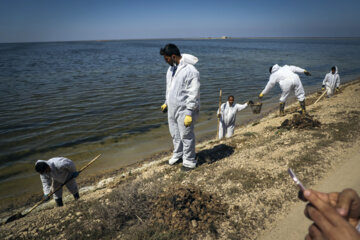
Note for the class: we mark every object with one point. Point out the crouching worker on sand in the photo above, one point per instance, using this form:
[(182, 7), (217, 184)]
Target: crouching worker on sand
[(55, 172), (227, 116)]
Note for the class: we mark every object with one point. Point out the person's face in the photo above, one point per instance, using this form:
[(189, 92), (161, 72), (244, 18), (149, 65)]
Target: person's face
[(170, 60), (231, 101), (333, 71), (47, 170)]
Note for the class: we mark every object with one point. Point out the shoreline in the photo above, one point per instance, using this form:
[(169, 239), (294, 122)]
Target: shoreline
[(246, 174), (94, 177)]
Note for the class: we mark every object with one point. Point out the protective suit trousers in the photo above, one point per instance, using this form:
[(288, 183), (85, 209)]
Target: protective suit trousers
[(298, 89), (226, 131), (183, 139), (329, 91), (71, 186)]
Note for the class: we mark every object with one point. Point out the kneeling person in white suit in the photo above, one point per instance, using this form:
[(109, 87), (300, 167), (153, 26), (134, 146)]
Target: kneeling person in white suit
[(55, 172), (331, 81), (227, 116)]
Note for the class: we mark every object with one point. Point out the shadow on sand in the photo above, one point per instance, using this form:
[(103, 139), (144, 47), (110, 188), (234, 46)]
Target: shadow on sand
[(215, 154)]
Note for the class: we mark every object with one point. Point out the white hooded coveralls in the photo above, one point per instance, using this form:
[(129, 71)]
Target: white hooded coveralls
[(61, 170), (183, 98), (287, 80), (228, 118), (331, 81)]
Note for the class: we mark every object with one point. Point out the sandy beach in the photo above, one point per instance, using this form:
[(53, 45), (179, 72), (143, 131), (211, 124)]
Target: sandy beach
[(240, 189)]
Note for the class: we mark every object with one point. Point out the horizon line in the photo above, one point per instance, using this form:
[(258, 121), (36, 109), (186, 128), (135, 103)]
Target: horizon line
[(177, 38)]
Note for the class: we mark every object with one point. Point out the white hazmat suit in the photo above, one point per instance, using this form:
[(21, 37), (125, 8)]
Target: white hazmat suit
[(183, 98), (287, 80), (61, 170), (228, 118), (331, 81)]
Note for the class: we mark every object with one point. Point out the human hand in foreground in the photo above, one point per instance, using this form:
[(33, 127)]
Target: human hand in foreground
[(187, 120), (324, 210), (307, 73), (261, 95)]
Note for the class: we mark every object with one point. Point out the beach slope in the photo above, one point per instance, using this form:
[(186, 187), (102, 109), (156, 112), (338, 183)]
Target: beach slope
[(240, 189)]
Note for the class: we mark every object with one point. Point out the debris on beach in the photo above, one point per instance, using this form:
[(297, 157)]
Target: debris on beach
[(188, 209), (300, 121)]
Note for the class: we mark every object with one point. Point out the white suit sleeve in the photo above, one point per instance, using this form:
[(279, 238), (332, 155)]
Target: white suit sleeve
[(270, 84), (167, 86), (240, 107), (46, 183), (192, 91), (297, 69), (338, 81), (325, 79)]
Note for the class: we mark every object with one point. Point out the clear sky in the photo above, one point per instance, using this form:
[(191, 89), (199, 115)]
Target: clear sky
[(64, 20)]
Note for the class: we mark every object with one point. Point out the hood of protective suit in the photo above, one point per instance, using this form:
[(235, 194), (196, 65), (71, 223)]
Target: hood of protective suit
[(275, 68), (336, 70), (39, 161), (189, 59)]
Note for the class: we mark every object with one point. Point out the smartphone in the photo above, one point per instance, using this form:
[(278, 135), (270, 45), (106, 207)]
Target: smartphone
[(296, 180)]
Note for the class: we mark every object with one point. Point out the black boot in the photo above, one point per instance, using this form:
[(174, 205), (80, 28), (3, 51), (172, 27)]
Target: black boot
[(59, 202), (302, 105), (76, 196), (282, 109)]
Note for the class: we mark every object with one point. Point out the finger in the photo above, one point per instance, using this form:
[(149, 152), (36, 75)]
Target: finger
[(307, 237), (306, 212), (348, 203), (333, 197), (324, 208), (323, 196), (344, 202), (321, 221), (315, 232)]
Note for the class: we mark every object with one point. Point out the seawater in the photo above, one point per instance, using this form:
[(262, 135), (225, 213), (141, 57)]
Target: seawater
[(79, 99)]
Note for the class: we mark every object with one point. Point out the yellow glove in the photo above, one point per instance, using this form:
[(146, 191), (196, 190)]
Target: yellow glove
[(322, 89), (163, 108), (187, 121), (261, 95), (307, 73)]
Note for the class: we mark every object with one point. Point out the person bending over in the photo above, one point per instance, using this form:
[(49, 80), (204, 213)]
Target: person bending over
[(55, 172)]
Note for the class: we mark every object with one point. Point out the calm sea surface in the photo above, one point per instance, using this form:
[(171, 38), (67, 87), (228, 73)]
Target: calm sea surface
[(79, 99)]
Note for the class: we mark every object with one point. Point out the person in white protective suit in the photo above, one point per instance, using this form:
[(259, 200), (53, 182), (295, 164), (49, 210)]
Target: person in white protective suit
[(227, 116), (331, 81), (182, 103), (53, 173), (288, 81)]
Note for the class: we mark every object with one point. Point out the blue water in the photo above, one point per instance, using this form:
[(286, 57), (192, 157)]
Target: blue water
[(78, 99)]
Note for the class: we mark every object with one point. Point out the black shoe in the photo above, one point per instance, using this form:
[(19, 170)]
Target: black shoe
[(186, 169), (76, 196), (59, 202)]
